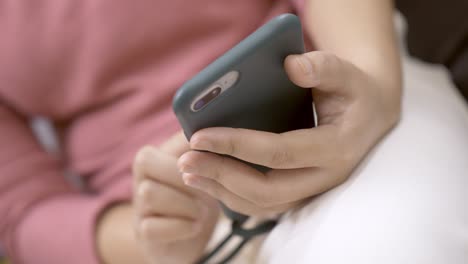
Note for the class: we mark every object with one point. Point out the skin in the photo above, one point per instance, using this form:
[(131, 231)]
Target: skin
[(357, 92), (167, 221)]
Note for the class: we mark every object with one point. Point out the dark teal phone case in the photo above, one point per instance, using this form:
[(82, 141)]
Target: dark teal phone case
[(263, 98)]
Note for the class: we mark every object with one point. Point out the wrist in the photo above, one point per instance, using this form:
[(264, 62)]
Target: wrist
[(115, 239)]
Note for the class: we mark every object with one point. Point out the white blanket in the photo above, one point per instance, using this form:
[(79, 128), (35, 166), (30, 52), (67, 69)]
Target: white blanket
[(407, 202)]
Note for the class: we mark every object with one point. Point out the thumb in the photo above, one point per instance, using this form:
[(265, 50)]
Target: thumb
[(321, 70)]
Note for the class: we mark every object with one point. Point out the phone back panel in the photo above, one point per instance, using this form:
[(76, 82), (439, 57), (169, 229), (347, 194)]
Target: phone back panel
[(263, 98)]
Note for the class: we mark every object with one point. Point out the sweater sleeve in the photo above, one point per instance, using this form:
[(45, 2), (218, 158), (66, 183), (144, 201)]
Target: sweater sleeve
[(43, 219)]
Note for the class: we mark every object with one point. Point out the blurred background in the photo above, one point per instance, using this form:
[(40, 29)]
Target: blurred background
[(437, 32)]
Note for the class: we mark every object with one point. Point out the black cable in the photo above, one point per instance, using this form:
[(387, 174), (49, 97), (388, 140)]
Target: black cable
[(213, 252), (245, 234), (235, 251)]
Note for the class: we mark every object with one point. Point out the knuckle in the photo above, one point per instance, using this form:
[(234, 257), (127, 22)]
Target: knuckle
[(326, 61), (142, 155), (233, 142), (281, 156), (231, 147), (146, 195), (321, 58), (338, 73)]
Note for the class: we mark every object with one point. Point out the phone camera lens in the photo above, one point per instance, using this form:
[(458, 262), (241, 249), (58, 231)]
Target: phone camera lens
[(198, 105), (207, 98)]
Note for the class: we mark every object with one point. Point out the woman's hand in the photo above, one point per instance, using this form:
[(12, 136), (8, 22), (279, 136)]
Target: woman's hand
[(173, 223), (353, 113)]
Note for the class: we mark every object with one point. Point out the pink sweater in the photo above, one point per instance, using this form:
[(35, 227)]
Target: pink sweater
[(105, 72)]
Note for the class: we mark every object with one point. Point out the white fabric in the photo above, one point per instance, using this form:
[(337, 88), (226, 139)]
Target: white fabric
[(406, 203)]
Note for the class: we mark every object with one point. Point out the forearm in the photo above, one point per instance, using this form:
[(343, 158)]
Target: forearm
[(361, 32)]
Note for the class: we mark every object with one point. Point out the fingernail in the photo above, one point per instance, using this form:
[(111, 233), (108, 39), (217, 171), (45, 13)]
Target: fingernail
[(191, 180), (184, 164), (201, 144), (304, 64), (185, 168)]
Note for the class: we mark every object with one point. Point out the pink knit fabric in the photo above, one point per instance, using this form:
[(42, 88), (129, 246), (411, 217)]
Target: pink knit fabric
[(105, 72)]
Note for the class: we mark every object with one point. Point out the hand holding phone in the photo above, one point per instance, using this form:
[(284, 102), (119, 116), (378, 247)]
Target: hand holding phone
[(248, 87)]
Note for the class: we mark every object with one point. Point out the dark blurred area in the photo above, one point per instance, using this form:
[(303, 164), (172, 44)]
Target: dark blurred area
[(438, 33)]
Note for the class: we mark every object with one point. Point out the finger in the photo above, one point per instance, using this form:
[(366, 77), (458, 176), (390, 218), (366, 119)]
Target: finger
[(176, 145), (159, 166), (153, 199), (234, 175), (293, 149), (276, 187), (166, 229), (231, 200), (322, 70), (299, 184)]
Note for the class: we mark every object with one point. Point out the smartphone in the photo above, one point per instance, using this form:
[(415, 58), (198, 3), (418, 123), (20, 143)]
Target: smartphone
[(247, 87)]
